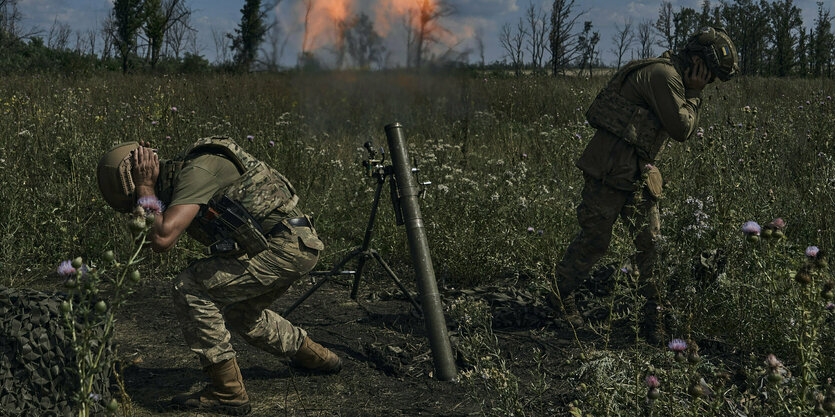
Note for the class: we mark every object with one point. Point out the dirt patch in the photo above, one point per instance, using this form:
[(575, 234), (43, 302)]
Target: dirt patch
[(387, 360)]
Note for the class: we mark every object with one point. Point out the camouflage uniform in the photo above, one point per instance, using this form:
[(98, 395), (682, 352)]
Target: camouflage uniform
[(612, 169), (220, 293)]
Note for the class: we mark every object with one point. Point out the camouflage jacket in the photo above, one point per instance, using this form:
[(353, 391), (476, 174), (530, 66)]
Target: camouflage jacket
[(659, 88)]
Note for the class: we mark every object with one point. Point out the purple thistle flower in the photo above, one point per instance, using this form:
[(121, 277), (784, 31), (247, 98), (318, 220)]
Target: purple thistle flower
[(250, 137), (154, 123), (272, 143), (812, 251), (524, 155), (578, 136), (800, 107), (65, 269), (829, 97), (168, 137), (778, 223), (677, 345), (751, 228), (652, 381), (540, 232), (830, 306), (95, 397), (151, 204), (531, 229), (625, 270), (174, 109), (807, 102)]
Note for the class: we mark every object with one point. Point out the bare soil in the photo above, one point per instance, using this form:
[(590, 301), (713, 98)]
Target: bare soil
[(387, 361)]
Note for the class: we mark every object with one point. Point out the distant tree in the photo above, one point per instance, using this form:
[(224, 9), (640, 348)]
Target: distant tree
[(179, 33), (248, 35), (704, 16), (479, 41), (426, 29), (308, 8), (664, 25), (276, 42), (747, 24), (536, 44), (802, 53), (563, 43), (588, 42), (686, 22), (784, 23), (822, 43), (512, 42), (107, 31), (127, 17), (223, 45), (160, 17), (622, 39), (364, 44), (59, 35), (645, 39)]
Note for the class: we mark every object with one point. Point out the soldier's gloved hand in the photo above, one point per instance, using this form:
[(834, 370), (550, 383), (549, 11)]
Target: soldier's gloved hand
[(145, 167), (697, 76)]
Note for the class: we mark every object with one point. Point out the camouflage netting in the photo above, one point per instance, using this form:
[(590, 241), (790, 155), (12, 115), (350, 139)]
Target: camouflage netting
[(35, 356)]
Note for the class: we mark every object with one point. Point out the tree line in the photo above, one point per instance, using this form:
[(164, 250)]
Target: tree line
[(770, 37)]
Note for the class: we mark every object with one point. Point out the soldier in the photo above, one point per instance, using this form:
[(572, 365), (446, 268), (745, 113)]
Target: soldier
[(259, 244), (645, 102)]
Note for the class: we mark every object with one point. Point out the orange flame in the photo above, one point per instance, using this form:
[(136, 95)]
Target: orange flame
[(323, 19)]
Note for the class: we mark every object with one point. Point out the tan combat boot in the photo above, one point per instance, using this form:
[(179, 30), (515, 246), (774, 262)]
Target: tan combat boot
[(226, 394), (314, 357), (564, 306)]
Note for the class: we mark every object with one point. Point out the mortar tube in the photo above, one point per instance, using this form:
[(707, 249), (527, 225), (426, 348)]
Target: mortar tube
[(430, 299)]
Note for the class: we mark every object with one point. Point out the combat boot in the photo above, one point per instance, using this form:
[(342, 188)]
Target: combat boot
[(314, 357), (226, 393), (565, 307)]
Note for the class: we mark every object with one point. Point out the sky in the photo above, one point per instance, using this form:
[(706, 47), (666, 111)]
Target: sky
[(470, 18)]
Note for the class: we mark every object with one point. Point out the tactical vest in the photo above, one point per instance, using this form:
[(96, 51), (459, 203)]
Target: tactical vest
[(636, 125), (235, 212)]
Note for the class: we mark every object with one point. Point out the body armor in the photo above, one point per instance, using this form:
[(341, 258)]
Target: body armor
[(232, 219), (637, 125)]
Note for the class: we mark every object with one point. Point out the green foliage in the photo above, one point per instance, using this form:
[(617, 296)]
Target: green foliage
[(499, 153), (128, 17), (248, 35)]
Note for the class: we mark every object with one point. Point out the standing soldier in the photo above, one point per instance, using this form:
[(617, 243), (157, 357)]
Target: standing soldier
[(259, 244), (645, 102)]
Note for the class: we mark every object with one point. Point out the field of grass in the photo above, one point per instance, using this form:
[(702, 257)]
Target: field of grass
[(500, 155)]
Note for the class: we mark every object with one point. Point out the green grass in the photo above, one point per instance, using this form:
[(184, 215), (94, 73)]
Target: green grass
[(499, 153)]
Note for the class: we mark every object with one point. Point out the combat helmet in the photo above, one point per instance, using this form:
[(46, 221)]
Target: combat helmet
[(718, 50), (113, 175)]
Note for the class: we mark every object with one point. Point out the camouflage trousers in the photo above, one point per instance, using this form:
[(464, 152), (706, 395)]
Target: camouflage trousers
[(597, 213), (217, 294)]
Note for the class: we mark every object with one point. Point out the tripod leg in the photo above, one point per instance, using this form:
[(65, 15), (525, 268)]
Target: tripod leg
[(325, 278), (397, 281), (358, 275)]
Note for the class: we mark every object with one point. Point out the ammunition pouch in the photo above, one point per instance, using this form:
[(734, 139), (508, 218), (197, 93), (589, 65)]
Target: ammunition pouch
[(230, 228), (634, 124), (654, 182)]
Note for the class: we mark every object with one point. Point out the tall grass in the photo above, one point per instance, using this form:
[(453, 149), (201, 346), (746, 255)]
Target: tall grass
[(500, 154)]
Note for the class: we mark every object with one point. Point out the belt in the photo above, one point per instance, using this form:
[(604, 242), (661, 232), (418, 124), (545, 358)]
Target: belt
[(302, 221)]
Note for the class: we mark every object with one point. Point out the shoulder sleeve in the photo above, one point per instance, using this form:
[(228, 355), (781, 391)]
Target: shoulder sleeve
[(677, 109), (201, 178)]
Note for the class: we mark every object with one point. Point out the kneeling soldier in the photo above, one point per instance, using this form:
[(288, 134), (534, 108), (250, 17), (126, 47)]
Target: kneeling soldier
[(259, 244)]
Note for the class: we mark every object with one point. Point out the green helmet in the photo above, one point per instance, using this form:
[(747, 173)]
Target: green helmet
[(113, 174), (714, 44)]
